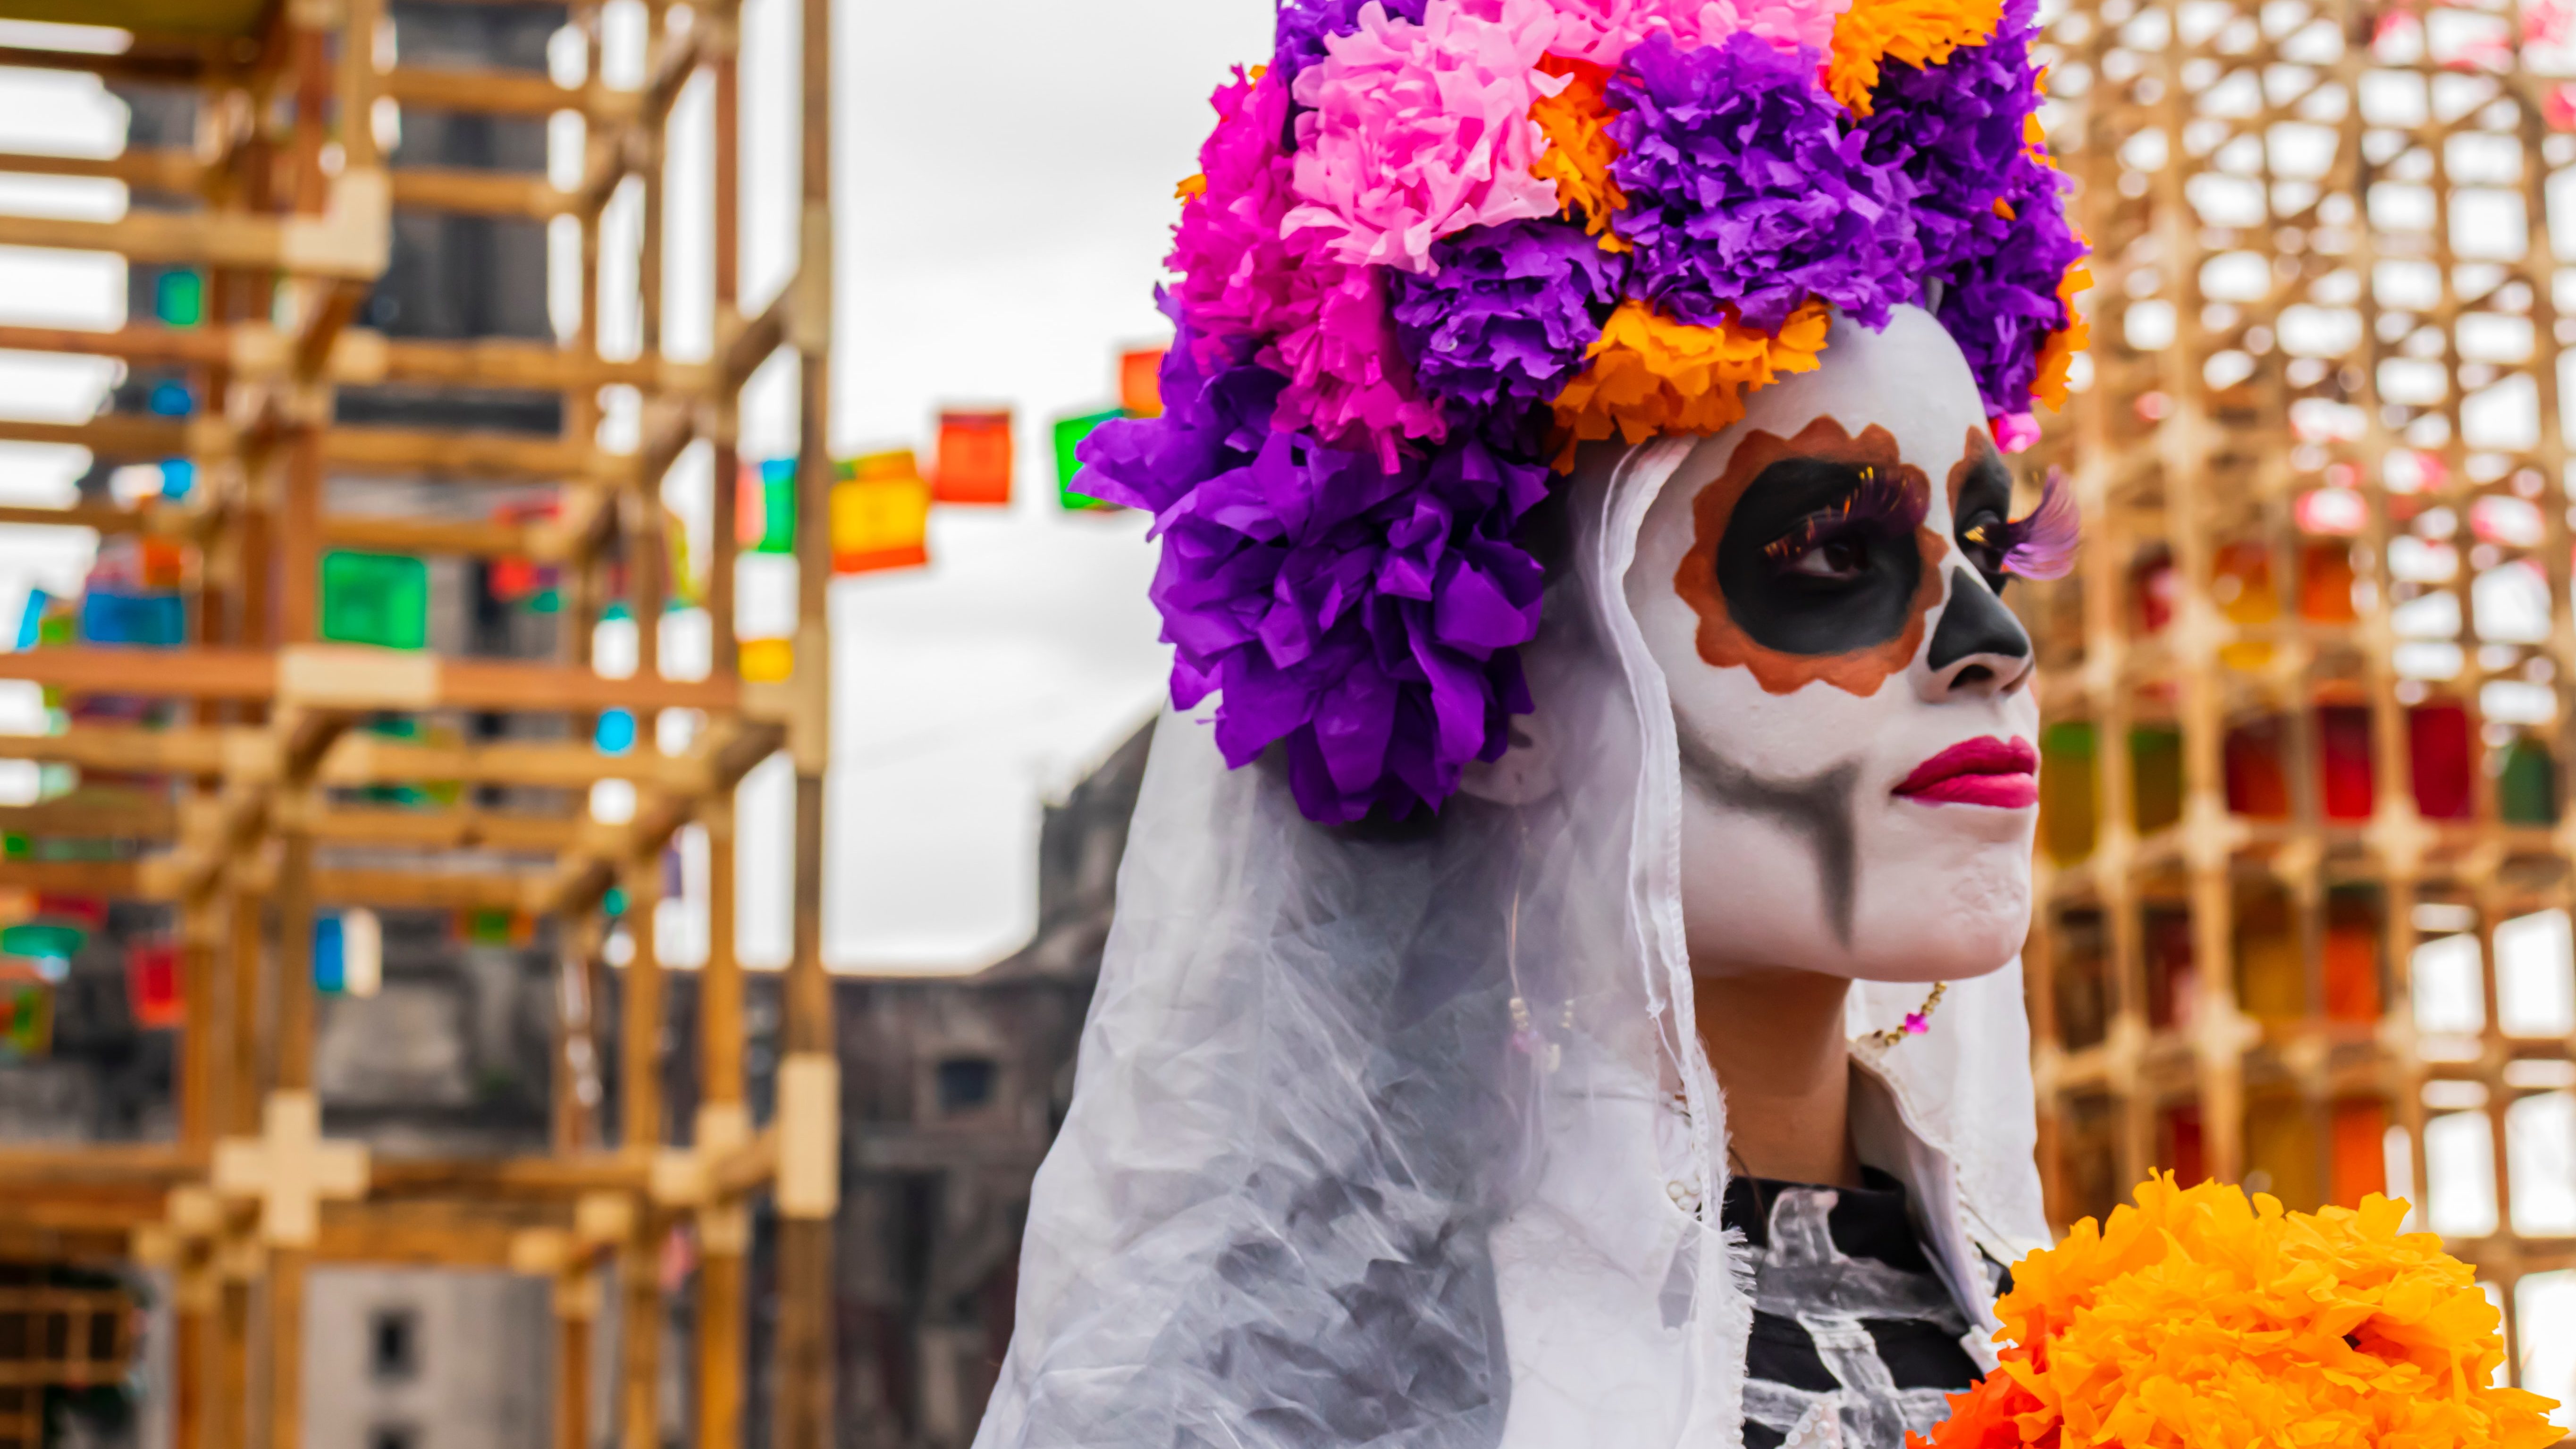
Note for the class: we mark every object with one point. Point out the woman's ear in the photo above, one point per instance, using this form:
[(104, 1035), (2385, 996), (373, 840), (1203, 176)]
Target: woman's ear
[(1525, 775)]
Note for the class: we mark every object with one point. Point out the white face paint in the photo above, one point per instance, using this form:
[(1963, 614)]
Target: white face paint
[(1859, 762)]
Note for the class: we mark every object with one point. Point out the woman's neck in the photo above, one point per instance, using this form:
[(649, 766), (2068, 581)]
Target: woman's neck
[(1775, 1039)]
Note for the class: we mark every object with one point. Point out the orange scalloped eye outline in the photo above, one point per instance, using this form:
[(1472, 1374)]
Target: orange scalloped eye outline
[(1723, 644)]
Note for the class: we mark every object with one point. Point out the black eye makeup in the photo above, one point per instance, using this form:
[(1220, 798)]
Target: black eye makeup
[(1981, 508), (1819, 556), (2039, 545), (1833, 544)]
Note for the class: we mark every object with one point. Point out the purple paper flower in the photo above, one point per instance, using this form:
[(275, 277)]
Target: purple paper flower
[(1990, 217), (1952, 131), (1364, 620), (1503, 320), (2000, 300), (1745, 193)]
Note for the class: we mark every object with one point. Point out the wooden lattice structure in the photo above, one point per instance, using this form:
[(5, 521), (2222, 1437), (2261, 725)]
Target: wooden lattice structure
[(250, 777), (2307, 698), (56, 1334)]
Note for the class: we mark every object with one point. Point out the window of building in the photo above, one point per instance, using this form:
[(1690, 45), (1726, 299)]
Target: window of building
[(393, 1352), (967, 1083)]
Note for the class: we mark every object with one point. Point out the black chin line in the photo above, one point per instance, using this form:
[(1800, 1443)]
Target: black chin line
[(1817, 809)]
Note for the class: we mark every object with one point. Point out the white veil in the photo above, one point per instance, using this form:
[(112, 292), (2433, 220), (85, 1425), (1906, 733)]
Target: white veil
[(1400, 1135)]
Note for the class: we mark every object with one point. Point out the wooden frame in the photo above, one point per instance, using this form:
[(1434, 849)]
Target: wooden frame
[(2322, 427), (223, 813)]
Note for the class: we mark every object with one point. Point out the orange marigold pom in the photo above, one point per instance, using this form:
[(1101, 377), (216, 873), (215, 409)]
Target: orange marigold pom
[(1576, 122), (1918, 32), (2058, 356), (1648, 375), (1985, 1417), (2200, 1319)]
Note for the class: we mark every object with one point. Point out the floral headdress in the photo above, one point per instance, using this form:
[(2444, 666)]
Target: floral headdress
[(1437, 245)]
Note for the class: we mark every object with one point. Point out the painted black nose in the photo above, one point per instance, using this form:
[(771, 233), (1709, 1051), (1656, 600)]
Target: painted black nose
[(1980, 646)]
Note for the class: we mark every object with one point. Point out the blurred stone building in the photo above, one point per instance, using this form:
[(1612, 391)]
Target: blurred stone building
[(953, 1090)]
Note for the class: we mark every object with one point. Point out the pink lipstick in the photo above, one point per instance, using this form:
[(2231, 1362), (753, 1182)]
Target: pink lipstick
[(1999, 774)]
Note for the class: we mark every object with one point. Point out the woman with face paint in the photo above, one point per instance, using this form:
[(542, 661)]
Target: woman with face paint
[(1564, 988)]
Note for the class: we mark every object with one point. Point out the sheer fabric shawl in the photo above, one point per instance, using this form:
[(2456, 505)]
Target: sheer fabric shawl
[(1401, 1137)]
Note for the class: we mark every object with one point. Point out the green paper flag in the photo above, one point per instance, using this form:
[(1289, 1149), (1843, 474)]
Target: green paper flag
[(179, 298), (375, 598), (1069, 433)]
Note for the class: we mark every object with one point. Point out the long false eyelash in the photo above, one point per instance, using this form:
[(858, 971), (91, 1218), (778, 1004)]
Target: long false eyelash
[(1881, 502), (2042, 544)]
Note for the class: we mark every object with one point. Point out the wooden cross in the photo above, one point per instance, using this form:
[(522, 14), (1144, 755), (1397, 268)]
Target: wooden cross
[(290, 1169)]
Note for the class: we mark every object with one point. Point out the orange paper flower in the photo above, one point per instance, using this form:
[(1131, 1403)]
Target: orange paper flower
[(1649, 375), (2202, 1320), (2058, 355), (1580, 148)]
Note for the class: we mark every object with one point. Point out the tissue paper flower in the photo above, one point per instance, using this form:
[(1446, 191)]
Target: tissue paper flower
[(1604, 31), (2057, 358), (1362, 617), (1580, 148), (1920, 33), (1418, 131), (1649, 375), (1746, 194), (1304, 26), (1323, 322), (1988, 208), (1509, 315), (2202, 1320)]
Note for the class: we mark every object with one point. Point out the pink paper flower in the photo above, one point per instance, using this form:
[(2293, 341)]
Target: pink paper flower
[(1417, 132), (1603, 31)]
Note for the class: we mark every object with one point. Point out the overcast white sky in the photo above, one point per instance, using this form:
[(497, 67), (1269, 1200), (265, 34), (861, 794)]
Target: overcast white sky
[(1004, 217), (1004, 174)]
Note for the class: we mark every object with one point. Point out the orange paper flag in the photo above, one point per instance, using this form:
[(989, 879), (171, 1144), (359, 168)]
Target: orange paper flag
[(1140, 383)]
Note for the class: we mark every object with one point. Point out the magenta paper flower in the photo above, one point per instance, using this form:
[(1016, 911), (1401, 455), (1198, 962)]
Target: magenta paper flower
[(1322, 322)]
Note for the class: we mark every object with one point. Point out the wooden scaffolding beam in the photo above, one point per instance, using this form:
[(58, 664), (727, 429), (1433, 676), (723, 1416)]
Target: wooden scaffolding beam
[(231, 800)]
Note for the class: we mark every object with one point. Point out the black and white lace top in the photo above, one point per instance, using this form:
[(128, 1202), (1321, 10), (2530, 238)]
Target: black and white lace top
[(1855, 1339)]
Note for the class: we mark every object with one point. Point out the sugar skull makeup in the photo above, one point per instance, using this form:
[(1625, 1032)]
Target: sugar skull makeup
[(1820, 584)]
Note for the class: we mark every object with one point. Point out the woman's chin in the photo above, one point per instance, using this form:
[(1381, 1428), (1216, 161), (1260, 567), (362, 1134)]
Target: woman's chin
[(1959, 948)]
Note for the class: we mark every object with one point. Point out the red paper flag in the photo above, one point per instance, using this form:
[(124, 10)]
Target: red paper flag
[(153, 988), (2438, 744), (974, 458), (88, 910)]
